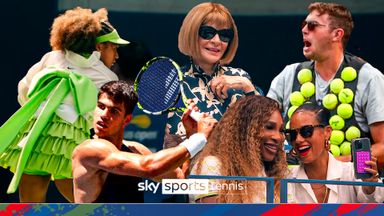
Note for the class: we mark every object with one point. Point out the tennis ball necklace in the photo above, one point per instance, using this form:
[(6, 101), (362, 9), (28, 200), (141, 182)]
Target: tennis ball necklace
[(339, 98)]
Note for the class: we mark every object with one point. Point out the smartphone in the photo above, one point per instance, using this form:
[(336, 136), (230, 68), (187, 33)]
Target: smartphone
[(361, 152)]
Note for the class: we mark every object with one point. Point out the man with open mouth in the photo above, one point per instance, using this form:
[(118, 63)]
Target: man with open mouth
[(349, 87)]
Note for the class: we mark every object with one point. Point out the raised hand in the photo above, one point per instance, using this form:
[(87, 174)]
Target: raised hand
[(375, 175), (189, 123), (220, 85), (206, 124)]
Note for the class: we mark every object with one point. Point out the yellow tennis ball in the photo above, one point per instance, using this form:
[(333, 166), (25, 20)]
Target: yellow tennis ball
[(336, 122), (348, 74), (335, 150), (296, 98), (291, 110), (352, 133), (337, 137), (345, 111), (345, 148), (337, 85), (346, 95), (307, 89), (304, 75), (330, 101)]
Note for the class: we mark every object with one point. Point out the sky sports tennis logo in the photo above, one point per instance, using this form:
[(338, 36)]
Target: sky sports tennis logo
[(187, 186)]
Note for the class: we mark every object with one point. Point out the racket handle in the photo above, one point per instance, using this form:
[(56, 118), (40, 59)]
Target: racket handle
[(195, 115)]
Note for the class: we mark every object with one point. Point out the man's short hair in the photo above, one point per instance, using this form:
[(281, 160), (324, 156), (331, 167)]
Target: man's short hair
[(120, 92), (339, 16)]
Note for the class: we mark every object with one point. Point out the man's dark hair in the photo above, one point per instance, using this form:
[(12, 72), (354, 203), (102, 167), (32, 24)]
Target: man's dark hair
[(120, 92)]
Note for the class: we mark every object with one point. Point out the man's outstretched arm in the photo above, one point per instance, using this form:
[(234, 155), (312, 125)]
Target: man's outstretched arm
[(102, 154)]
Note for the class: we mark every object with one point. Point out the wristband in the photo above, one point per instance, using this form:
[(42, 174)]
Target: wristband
[(195, 143)]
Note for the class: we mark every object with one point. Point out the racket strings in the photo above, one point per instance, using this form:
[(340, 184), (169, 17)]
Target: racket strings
[(159, 87)]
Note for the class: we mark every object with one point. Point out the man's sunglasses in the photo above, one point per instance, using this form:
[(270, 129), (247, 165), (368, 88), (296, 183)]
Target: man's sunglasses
[(305, 131), (208, 32), (310, 24)]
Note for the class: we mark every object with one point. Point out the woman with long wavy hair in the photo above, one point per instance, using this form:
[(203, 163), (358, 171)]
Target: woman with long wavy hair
[(248, 141)]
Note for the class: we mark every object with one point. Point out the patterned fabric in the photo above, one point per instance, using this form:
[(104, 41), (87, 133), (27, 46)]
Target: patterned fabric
[(197, 87)]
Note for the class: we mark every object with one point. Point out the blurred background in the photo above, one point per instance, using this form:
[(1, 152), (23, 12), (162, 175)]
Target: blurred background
[(269, 38)]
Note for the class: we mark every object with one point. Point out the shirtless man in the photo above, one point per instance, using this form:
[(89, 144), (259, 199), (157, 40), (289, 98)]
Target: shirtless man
[(99, 164)]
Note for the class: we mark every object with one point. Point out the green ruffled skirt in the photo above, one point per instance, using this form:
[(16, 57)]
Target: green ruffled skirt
[(53, 150)]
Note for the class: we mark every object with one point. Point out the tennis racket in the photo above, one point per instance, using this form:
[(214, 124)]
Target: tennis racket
[(159, 86)]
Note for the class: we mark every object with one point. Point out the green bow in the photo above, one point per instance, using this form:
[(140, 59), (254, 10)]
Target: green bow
[(52, 87)]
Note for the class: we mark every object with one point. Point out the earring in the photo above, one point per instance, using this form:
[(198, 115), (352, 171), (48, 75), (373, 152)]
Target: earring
[(292, 152), (327, 144)]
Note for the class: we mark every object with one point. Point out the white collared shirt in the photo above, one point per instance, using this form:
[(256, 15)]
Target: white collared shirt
[(337, 170)]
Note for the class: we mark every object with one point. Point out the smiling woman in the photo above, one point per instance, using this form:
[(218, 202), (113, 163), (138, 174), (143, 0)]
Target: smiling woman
[(309, 135), (250, 135), (209, 37)]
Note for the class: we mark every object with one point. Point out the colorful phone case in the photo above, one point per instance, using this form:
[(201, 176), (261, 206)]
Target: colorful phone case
[(361, 149)]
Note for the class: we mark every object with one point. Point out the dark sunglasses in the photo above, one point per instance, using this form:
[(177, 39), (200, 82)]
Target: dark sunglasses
[(305, 131), (208, 32), (310, 24)]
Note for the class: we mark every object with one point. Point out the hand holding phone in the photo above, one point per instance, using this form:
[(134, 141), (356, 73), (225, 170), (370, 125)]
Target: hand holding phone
[(361, 149)]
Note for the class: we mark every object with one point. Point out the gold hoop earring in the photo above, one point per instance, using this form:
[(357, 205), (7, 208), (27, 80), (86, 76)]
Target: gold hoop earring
[(292, 152), (327, 144)]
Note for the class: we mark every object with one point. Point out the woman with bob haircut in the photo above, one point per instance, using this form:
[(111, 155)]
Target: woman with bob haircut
[(209, 37)]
